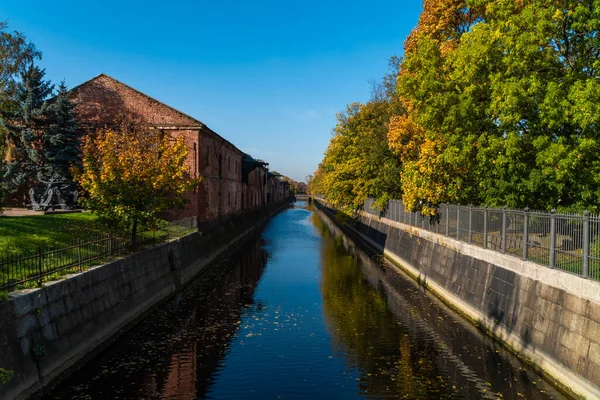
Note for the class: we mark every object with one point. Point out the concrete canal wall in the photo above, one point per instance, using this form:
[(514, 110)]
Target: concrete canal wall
[(70, 320), (549, 317)]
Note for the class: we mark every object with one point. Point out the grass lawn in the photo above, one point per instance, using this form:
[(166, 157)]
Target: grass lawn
[(26, 234), (20, 237)]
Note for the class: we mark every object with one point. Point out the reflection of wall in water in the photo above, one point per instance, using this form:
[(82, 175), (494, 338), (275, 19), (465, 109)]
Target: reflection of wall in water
[(212, 324)]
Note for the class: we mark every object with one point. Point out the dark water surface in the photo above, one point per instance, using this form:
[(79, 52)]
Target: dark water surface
[(300, 313)]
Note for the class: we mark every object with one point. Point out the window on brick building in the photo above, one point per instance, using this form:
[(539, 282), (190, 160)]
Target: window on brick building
[(207, 155)]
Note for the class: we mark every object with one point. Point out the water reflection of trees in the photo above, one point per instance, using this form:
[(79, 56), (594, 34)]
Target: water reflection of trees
[(405, 344), (391, 362)]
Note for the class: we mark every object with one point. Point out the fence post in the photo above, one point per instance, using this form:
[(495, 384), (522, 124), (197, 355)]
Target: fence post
[(457, 222), (409, 218), (40, 269), (447, 220), (470, 223), (437, 221), (422, 220), (485, 227), (79, 254), (586, 244), (525, 233), (503, 242), (552, 238), (110, 244)]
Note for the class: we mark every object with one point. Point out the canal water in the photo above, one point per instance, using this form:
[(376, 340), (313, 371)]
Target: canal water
[(299, 312)]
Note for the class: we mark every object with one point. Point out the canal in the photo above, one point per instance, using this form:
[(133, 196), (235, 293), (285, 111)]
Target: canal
[(299, 312)]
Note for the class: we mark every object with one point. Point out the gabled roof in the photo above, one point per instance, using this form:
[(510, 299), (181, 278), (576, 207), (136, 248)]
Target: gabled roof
[(103, 99)]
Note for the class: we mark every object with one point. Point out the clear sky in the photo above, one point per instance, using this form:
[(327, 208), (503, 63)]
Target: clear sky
[(267, 75)]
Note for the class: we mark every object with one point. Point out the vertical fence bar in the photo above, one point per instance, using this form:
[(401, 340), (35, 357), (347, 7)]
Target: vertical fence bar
[(586, 245), (485, 227), (447, 219), (553, 238), (39, 262), (525, 233), (457, 222), (79, 254), (503, 242), (470, 223)]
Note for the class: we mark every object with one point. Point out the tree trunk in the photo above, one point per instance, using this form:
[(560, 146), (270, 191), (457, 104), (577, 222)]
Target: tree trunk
[(134, 234)]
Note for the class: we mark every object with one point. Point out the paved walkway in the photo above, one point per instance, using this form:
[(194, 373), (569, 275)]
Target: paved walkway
[(24, 212)]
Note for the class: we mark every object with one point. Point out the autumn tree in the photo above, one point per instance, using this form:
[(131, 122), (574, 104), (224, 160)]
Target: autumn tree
[(503, 100), (358, 163), (132, 175), (498, 104), (435, 168), (302, 188)]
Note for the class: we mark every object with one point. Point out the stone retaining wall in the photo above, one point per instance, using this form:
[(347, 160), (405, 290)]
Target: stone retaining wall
[(68, 321), (549, 317)]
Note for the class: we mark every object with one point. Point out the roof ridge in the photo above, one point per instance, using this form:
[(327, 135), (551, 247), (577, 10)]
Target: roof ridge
[(202, 124)]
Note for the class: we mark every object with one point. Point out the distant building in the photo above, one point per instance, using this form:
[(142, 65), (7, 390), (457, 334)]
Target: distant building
[(232, 179)]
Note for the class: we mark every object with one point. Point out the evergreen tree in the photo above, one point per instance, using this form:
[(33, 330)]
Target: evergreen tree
[(16, 54), (25, 127), (60, 149)]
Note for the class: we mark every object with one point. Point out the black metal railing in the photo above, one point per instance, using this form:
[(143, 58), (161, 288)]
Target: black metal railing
[(23, 270), (566, 241)]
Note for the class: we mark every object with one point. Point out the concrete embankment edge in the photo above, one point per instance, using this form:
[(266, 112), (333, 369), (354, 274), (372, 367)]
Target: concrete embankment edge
[(548, 318), (67, 322)]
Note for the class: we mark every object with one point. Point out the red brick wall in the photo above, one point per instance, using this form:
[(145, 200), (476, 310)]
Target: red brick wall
[(215, 150), (106, 102)]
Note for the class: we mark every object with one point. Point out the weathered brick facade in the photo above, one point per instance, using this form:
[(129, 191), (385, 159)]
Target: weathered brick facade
[(105, 102)]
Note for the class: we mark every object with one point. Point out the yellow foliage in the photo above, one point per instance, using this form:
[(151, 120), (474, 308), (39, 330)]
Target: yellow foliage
[(131, 175)]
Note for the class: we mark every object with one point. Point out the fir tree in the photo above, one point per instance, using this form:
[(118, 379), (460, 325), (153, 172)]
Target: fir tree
[(60, 149), (25, 128)]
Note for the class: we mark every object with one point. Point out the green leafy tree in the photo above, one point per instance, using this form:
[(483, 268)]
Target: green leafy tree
[(16, 55)]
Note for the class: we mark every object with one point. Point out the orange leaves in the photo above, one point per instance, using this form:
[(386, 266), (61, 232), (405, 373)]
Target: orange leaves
[(405, 136)]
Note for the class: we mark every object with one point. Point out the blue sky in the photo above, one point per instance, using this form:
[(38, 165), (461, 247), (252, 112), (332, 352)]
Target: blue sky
[(268, 75)]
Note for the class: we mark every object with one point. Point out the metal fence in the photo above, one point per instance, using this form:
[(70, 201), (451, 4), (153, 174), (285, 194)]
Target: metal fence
[(32, 269), (565, 241)]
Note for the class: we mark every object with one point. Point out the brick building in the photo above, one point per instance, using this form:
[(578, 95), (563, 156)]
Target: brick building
[(233, 181)]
